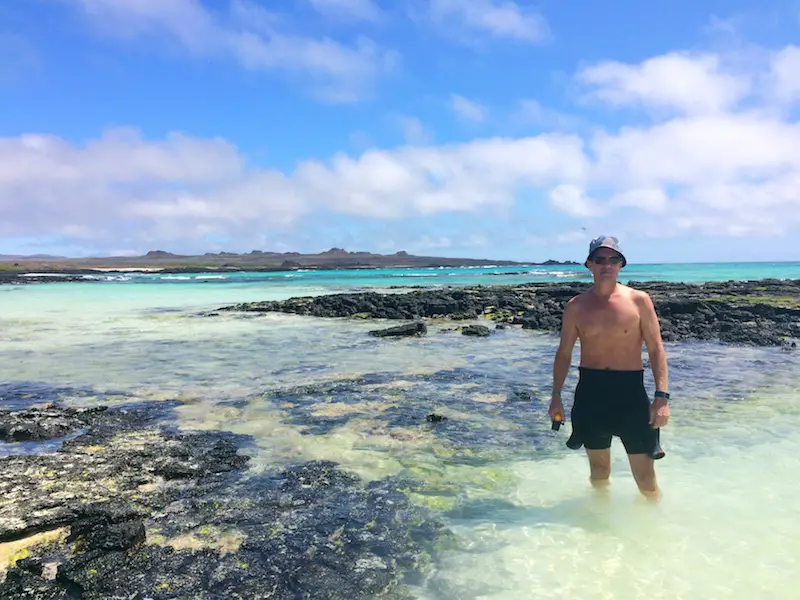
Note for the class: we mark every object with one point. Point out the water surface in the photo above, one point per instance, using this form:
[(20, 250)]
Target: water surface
[(527, 523)]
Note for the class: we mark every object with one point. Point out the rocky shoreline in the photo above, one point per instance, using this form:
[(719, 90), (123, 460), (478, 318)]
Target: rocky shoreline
[(758, 313), (127, 508)]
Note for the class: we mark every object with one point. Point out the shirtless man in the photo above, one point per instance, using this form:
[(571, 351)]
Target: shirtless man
[(612, 320)]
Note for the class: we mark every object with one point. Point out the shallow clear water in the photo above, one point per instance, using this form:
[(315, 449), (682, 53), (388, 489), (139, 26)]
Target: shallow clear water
[(527, 523)]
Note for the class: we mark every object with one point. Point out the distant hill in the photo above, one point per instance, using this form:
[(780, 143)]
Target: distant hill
[(256, 260), (6, 257)]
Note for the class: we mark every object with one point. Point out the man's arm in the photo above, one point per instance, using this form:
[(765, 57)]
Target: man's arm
[(569, 335), (651, 331)]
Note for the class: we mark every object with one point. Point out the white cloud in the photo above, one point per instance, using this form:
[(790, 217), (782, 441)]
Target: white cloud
[(428, 180), (683, 82), (120, 155), (467, 109), (572, 200), (653, 200), (785, 74), (694, 150), (364, 10), (722, 159), (253, 37), (498, 18), (722, 156), (180, 188)]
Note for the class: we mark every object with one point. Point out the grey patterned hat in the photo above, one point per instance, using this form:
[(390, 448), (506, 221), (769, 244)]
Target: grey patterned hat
[(606, 241)]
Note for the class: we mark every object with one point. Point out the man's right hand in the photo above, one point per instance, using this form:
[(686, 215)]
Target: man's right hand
[(556, 410)]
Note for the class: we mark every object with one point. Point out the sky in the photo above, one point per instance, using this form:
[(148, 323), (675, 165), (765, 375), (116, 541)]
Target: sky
[(466, 128)]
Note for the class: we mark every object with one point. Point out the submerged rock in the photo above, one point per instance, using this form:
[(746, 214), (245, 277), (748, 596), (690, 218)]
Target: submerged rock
[(157, 514), (411, 329), (476, 330)]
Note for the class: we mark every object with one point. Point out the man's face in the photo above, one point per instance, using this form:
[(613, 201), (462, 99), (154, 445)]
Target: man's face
[(605, 264)]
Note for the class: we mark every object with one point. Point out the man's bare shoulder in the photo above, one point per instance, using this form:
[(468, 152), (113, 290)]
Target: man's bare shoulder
[(642, 298), (576, 301)]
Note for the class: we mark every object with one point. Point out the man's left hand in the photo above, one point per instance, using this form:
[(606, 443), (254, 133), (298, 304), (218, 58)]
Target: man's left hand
[(659, 413)]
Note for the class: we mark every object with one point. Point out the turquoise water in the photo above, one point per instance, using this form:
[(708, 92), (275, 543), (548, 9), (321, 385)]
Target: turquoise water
[(527, 523), (492, 275)]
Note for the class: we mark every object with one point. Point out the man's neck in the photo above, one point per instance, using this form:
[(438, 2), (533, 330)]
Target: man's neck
[(604, 289)]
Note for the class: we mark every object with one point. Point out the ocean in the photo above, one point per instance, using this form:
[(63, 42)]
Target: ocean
[(527, 523)]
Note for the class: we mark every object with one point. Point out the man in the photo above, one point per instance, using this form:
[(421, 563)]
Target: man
[(611, 320)]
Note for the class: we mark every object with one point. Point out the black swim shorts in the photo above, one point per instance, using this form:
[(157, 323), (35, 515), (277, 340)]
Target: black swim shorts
[(612, 403)]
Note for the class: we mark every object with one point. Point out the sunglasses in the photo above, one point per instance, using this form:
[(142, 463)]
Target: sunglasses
[(603, 260)]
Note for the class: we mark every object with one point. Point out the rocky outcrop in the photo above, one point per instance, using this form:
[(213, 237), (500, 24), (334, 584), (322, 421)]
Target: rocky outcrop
[(149, 513), (38, 424), (762, 313)]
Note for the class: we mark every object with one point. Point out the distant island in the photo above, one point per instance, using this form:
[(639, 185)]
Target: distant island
[(257, 260)]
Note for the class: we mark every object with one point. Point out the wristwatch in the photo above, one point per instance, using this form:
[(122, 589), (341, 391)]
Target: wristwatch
[(660, 394)]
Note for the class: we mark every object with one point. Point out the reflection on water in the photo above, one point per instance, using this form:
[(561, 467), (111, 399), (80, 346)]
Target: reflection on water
[(527, 522)]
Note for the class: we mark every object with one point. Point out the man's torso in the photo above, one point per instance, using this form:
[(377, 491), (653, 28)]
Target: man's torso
[(610, 330)]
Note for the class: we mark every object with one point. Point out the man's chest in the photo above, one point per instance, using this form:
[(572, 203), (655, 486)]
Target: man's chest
[(609, 319)]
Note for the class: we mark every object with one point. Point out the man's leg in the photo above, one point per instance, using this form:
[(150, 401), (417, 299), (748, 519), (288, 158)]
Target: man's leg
[(599, 467), (644, 473)]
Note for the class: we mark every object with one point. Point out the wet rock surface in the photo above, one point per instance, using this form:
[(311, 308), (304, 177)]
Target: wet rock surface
[(158, 514), (475, 330), (411, 329), (37, 424), (758, 313)]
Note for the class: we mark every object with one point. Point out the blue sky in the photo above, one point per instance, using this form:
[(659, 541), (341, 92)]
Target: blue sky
[(480, 128)]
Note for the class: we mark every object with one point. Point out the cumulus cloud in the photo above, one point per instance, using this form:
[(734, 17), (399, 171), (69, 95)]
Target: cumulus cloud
[(693, 150), (726, 161), (501, 19), (785, 74), (182, 187), (654, 200), (572, 200), (684, 82), (253, 37), (427, 180)]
